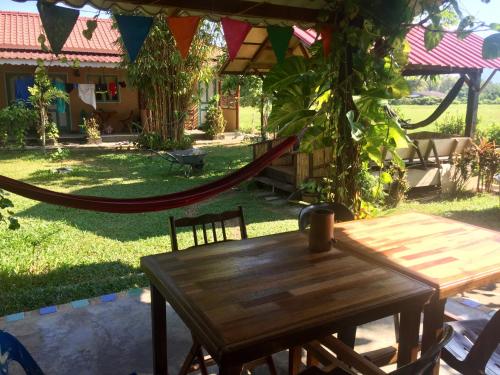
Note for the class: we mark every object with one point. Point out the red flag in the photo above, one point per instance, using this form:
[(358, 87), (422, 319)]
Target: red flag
[(326, 39), (183, 30), (235, 33)]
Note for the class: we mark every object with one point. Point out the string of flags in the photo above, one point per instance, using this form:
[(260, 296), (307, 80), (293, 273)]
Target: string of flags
[(58, 23)]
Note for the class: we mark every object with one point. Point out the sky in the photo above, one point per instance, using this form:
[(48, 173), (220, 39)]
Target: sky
[(489, 13)]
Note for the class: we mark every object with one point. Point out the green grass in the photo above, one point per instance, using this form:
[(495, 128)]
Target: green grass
[(62, 254), (488, 114)]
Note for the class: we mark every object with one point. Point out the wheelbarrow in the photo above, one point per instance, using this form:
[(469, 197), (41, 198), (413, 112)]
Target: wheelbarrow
[(190, 160)]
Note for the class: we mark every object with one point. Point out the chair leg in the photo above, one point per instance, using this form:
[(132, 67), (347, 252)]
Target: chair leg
[(271, 365), (201, 359), (396, 327), (186, 365)]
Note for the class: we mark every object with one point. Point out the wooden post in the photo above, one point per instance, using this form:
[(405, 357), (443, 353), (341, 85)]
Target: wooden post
[(472, 102), (237, 108)]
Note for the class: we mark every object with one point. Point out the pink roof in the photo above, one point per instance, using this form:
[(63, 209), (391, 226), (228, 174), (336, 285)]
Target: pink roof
[(19, 33), (451, 51)]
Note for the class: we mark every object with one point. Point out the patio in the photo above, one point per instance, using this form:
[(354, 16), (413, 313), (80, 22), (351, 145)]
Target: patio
[(328, 299), (112, 334)]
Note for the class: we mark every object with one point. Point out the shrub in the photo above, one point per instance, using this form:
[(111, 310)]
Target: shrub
[(153, 141), (492, 133), (215, 123), (451, 125), (91, 128), (15, 121)]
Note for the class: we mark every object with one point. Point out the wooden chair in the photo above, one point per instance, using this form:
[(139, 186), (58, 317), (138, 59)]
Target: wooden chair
[(195, 360), (351, 359), (128, 121), (474, 347)]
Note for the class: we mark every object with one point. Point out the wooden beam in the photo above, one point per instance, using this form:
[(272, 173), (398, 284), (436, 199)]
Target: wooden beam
[(244, 8), (472, 102)]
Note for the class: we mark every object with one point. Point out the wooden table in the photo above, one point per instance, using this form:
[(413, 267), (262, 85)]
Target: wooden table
[(247, 299), (449, 255)]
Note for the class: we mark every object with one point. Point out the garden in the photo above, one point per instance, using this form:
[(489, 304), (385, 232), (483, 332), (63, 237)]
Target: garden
[(60, 255)]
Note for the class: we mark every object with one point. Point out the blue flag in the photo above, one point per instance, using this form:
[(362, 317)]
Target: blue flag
[(134, 31), (58, 23)]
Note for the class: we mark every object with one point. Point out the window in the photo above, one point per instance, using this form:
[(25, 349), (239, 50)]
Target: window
[(107, 88)]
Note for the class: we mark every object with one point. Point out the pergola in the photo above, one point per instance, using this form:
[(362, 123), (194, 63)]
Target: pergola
[(451, 56)]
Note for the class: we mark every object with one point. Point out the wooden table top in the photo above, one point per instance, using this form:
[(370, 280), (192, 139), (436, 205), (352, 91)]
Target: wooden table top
[(266, 292), (449, 255)]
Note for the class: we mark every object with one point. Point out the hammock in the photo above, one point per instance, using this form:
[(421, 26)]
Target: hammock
[(443, 106), (148, 204)]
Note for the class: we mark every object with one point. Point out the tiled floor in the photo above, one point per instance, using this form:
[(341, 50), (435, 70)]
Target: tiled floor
[(111, 334)]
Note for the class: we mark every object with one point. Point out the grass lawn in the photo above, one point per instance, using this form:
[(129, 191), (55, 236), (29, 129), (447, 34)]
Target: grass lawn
[(488, 114), (62, 254)]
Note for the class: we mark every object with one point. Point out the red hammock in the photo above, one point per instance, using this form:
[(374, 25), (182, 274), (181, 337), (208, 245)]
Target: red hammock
[(149, 204)]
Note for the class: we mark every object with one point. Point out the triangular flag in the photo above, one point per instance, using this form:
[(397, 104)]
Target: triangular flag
[(235, 33), (279, 36), (183, 30), (326, 39), (134, 31), (58, 23)]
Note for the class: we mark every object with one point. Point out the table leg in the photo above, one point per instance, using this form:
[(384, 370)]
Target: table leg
[(433, 325), (347, 336), (159, 332), (294, 360), (409, 328)]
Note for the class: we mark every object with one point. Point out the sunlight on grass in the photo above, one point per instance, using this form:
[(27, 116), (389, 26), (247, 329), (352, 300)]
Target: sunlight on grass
[(62, 254)]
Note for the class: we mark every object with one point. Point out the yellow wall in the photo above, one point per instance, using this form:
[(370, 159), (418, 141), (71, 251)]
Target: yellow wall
[(128, 96)]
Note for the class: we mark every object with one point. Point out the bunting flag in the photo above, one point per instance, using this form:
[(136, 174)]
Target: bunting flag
[(134, 31), (235, 33), (58, 23), (279, 36), (326, 39), (183, 30)]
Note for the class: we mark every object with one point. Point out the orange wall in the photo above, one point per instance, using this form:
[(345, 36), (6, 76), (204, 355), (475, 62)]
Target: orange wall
[(128, 96)]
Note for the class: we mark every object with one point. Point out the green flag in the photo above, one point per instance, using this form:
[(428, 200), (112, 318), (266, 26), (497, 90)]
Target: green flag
[(58, 23), (279, 36)]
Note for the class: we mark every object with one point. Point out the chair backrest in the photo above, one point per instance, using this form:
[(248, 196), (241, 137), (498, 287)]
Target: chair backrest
[(205, 222), (482, 349), (425, 364), (12, 350), (341, 212)]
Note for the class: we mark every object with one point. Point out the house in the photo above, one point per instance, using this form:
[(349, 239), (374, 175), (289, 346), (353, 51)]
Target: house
[(98, 59), (98, 63)]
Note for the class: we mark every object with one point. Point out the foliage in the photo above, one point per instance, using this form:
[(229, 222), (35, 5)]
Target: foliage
[(465, 167), (166, 80), (337, 100), (451, 125), (59, 154), (215, 122), (15, 120), (43, 94), (250, 88), (491, 133), (91, 128), (6, 214), (488, 164), (398, 185), (154, 141)]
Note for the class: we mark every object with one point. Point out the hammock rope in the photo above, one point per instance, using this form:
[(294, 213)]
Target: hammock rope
[(442, 107), (148, 204)]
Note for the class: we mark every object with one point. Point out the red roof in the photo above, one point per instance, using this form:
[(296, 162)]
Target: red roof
[(19, 33), (451, 51)]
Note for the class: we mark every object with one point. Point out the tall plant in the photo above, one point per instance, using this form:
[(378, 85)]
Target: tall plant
[(42, 94), (166, 81), (338, 100)]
